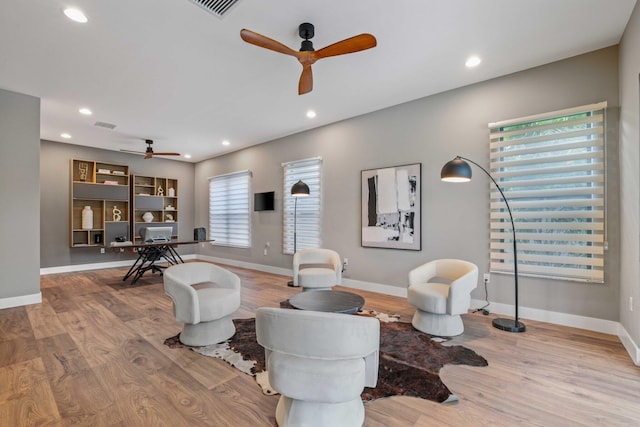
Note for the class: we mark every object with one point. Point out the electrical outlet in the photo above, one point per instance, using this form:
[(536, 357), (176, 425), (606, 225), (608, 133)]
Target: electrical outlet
[(346, 261), (101, 250), (487, 277), (630, 303), (265, 251)]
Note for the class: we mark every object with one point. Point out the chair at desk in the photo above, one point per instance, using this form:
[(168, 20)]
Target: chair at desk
[(204, 297)]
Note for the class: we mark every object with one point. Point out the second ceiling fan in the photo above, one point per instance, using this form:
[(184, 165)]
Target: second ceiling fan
[(307, 55), (149, 153)]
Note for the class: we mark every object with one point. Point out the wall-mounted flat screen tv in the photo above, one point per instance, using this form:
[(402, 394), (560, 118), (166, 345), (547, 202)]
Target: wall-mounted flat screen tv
[(264, 201)]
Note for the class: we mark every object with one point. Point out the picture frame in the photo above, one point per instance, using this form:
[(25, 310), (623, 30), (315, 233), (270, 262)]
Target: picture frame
[(392, 207)]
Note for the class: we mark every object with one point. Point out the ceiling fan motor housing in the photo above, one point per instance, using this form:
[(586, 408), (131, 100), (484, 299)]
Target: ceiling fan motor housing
[(307, 32)]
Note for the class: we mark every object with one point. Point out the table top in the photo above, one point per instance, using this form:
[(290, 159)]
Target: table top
[(156, 244), (329, 301)]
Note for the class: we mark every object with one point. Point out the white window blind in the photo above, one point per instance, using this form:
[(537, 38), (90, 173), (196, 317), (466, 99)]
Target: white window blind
[(309, 208), (229, 209), (551, 168)]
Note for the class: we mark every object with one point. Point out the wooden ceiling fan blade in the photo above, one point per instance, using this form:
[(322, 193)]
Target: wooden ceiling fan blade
[(265, 42), (306, 80), (132, 151), (350, 45), (165, 154)]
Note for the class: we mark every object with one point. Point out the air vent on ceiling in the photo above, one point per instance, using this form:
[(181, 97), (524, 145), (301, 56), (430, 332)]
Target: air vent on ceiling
[(218, 7), (105, 125)]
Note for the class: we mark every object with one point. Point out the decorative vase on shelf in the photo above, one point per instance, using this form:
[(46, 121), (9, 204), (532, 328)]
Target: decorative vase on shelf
[(172, 192), (147, 217), (87, 218)]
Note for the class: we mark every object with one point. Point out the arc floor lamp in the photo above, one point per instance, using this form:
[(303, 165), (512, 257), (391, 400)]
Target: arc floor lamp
[(458, 170), (299, 189)]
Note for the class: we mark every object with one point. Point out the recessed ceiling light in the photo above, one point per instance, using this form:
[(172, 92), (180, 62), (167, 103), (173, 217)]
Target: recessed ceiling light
[(311, 114), (65, 135), (473, 61), (75, 15), (85, 111), (225, 142), (187, 156)]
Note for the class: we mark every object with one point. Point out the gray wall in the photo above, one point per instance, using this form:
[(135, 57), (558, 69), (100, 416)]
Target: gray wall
[(432, 131), (630, 176), (54, 171), (19, 194)]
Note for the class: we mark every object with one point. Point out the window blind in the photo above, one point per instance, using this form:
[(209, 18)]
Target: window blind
[(309, 208), (552, 170), (229, 209)]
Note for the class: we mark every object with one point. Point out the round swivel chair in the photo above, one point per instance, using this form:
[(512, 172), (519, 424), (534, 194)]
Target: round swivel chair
[(320, 363), (204, 297), (440, 291)]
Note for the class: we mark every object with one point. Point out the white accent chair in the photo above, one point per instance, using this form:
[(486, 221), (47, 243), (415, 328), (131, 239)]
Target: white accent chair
[(320, 363), (325, 269), (204, 297), (439, 303)]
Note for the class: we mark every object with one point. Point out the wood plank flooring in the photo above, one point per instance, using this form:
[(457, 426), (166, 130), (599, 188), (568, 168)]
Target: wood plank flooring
[(92, 354)]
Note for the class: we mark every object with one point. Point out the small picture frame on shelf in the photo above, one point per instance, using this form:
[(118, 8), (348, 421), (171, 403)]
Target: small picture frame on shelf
[(83, 170), (104, 171)]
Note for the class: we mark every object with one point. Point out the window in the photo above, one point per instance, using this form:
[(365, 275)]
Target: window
[(551, 168), (307, 214), (229, 209)]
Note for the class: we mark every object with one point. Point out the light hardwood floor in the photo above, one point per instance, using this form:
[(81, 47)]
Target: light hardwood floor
[(92, 354)]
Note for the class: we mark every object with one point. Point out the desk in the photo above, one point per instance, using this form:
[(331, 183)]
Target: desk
[(331, 301), (150, 253)]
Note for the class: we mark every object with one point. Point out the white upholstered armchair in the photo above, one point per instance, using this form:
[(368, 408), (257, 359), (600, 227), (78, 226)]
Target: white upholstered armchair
[(325, 271), (320, 363), (440, 291), (204, 297)]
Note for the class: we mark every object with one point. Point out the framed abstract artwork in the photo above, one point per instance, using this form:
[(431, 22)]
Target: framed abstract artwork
[(391, 207)]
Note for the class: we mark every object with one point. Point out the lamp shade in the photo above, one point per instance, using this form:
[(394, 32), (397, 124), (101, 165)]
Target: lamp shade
[(299, 189), (456, 170)]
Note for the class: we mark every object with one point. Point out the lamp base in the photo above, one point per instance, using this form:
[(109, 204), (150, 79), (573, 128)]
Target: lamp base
[(508, 325)]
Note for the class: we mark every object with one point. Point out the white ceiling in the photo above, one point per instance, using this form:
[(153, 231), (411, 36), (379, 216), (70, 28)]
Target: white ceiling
[(172, 72)]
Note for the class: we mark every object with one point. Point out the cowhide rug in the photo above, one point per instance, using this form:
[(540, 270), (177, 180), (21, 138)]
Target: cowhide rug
[(410, 360)]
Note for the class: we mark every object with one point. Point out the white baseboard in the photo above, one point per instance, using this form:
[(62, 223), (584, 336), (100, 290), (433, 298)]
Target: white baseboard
[(346, 282), (396, 291), (571, 320), (95, 266), (84, 267), (249, 265), (628, 343), (20, 301)]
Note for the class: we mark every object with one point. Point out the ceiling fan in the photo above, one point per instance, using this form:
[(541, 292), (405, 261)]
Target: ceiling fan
[(149, 153), (307, 55)]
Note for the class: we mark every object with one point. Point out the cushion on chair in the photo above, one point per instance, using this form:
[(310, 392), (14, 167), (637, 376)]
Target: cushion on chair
[(430, 297), (316, 277), (215, 302), (332, 380)]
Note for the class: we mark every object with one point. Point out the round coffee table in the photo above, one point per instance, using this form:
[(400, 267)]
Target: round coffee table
[(331, 301)]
